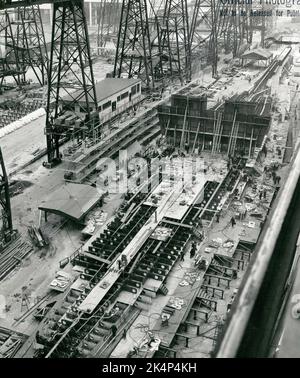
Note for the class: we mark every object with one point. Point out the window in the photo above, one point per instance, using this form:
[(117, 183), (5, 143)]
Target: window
[(119, 98), (106, 105), (133, 90), (124, 95), (138, 88)]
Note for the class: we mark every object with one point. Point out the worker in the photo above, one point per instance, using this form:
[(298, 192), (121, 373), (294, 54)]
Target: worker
[(264, 150), (233, 222), (260, 194), (243, 213), (193, 250), (182, 256), (265, 193), (218, 217), (37, 337)]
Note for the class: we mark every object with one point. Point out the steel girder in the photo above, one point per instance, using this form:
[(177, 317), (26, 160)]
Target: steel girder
[(215, 26), (30, 41), (238, 28), (70, 80), (108, 19), (260, 22), (206, 26), (133, 55), (9, 62), (7, 226), (174, 40)]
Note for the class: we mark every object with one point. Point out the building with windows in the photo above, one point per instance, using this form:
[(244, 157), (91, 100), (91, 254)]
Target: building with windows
[(114, 96)]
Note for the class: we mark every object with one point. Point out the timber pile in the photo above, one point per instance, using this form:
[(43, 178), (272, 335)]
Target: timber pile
[(10, 342), (11, 256)]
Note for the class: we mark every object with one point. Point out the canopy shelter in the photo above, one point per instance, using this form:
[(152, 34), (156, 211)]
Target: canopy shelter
[(258, 56), (72, 201)]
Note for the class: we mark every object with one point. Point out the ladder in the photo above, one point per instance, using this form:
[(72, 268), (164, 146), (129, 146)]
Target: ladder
[(231, 134), (217, 133), (167, 127), (250, 146), (220, 134), (183, 128), (217, 332), (25, 302), (196, 137), (234, 138)]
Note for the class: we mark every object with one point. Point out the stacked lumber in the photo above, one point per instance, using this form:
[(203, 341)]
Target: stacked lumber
[(12, 255), (10, 342)]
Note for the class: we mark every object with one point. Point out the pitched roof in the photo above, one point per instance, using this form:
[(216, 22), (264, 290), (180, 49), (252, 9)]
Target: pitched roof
[(72, 201), (257, 54), (104, 89)]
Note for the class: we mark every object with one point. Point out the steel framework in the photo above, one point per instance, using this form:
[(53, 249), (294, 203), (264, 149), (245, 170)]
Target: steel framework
[(24, 44), (259, 22), (174, 40), (9, 62), (7, 226), (215, 26), (30, 41), (70, 74), (134, 54), (108, 19)]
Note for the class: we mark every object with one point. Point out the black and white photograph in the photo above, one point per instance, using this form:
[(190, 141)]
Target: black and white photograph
[(149, 183)]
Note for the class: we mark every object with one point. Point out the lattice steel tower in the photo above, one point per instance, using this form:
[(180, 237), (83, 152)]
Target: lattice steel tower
[(174, 40), (30, 41), (71, 86), (133, 56)]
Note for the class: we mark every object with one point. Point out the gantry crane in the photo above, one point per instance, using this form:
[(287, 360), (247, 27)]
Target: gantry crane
[(24, 44)]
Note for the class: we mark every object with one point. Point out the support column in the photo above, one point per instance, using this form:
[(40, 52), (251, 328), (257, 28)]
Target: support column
[(90, 13), (70, 68)]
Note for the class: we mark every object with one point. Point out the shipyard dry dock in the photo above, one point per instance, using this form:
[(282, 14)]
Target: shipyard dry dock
[(149, 180)]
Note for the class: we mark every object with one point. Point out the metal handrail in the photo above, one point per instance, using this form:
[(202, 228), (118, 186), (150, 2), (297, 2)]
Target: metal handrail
[(240, 315)]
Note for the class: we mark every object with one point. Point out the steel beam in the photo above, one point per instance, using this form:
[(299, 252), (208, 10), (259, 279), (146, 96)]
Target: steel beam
[(174, 41), (9, 62), (30, 41), (133, 55), (71, 85)]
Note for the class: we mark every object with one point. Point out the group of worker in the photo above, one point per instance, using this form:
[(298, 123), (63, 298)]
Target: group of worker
[(276, 178), (263, 194), (193, 251)]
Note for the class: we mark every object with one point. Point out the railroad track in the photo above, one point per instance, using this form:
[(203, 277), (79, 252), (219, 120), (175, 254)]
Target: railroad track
[(46, 298)]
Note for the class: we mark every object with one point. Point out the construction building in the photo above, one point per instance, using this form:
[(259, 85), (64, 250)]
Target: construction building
[(149, 180)]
